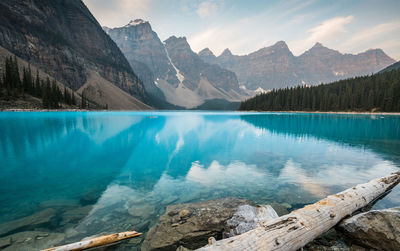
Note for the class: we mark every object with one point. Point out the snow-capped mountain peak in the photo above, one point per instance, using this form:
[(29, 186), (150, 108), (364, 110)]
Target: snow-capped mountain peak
[(136, 22)]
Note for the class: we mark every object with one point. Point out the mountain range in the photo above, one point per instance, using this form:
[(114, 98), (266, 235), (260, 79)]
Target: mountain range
[(129, 67), (170, 70), (277, 67)]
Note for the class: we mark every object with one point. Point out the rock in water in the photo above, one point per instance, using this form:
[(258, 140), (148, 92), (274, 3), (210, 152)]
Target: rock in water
[(247, 218), (38, 219), (200, 221), (31, 240), (377, 229)]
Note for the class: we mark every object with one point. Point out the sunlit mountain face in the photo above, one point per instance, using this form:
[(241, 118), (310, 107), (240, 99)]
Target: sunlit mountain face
[(129, 162)]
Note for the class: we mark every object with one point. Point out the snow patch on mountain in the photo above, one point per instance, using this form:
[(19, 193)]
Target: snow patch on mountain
[(178, 73), (260, 90), (136, 22)]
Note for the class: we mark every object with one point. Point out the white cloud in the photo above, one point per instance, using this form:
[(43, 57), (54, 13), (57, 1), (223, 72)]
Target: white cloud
[(218, 175), (369, 36), (118, 12), (328, 31), (206, 9), (238, 36)]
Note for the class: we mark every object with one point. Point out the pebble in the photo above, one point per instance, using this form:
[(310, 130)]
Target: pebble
[(184, 213)]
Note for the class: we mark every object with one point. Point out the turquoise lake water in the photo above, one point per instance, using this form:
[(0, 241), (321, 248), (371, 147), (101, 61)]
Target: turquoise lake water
[(110, 164)]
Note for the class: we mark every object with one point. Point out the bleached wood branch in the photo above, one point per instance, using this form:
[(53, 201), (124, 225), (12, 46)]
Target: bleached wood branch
[(96, 242), (293, 231)]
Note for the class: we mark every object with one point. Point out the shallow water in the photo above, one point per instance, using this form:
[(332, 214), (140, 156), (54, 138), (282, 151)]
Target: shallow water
[(122, 169)]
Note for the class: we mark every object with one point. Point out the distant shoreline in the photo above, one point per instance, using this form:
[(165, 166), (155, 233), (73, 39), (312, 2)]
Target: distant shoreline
[(251, 111), (46, 110), (366, 113)]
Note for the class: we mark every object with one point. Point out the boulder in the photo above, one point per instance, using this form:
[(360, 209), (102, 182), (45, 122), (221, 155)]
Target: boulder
[(377, 229), (190, 225), (247, 218), (38, 219)]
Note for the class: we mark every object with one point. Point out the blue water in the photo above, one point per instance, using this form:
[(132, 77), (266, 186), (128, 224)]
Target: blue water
[(124, 162)]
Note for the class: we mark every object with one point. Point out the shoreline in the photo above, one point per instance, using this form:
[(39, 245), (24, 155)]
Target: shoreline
[(251, 111), (364, 113), (47, 110)]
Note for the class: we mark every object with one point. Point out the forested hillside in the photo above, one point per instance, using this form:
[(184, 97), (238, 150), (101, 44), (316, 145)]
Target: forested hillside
[(379, 92)]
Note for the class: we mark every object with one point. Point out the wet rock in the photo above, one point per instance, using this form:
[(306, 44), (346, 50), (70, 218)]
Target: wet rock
[(5, 242), (206, 219), (38, 219), (377, 229), (33, 240), (247, 218)]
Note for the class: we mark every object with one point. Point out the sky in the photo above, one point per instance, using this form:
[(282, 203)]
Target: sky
[(350, 26)]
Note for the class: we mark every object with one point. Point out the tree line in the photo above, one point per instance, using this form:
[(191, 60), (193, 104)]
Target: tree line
[(378, 92)]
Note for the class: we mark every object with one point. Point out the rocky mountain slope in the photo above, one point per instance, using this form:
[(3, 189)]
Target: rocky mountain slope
[(63, 39), (171, 70), (276, 66)]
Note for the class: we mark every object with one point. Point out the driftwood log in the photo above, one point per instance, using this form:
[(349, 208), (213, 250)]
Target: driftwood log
[(293, 231), (96, 242)]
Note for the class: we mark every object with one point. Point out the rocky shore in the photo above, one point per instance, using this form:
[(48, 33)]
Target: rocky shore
[(190, 226)]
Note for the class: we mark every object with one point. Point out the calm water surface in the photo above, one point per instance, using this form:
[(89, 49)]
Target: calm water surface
[(121, 169)]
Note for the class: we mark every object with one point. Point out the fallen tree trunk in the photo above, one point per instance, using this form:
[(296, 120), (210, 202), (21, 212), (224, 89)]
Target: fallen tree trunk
[(293, 231), (96, 242)]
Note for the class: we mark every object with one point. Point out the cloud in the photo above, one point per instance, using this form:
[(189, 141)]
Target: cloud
[(118, 12), (206, 9), (218, 175), (328, 31), (371, 35), (238, 36)]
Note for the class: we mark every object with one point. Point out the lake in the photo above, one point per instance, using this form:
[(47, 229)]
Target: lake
[(103, 172)]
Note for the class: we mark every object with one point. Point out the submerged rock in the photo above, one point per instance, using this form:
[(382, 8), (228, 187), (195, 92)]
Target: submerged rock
[(377, 229), (143, 211), (90, 198), (199, 222), (38, 219), (58, 204), (247, 218), (75, 215), (31, 240), (5, 242), (280, 209)]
